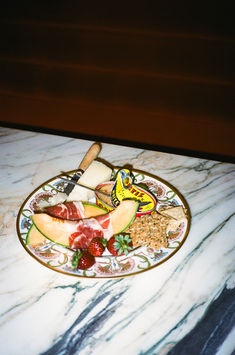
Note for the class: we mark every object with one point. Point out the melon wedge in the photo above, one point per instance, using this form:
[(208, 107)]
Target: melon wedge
[(123, 215), (92, 210), (59, 230), (34, 237), (74, 210)]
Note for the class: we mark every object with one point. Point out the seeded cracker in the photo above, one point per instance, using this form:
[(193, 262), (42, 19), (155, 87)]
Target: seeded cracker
[(149, 230)]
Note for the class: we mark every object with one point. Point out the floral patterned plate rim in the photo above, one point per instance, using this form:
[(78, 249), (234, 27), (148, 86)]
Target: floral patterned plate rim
[(139, 260)]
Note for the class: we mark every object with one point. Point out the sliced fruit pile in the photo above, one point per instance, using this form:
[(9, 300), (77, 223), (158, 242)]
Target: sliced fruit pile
[(68, 210), (88, 236)]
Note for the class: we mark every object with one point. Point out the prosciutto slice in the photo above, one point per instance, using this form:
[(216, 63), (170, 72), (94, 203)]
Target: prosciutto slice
[(87, 229), (68, 210)]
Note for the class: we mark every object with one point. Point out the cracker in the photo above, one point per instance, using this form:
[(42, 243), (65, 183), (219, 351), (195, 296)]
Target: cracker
[(176, 213), (149, 230)]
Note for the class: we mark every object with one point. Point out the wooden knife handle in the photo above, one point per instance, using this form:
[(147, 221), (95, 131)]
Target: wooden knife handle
[(86, 161), (92, 154)]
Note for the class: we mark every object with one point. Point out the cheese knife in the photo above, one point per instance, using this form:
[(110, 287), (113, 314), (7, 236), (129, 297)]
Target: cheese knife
[(60, 197), (92, 154)]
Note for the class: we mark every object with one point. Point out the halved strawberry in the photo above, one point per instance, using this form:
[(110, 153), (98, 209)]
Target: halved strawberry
[(120, 244), (82, 259), (97, 246)]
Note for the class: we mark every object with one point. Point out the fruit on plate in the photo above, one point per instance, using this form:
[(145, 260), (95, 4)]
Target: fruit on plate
[(82, 259), (120, 244), (34, 237), (78, 234), (68, 209), (97, 246), (75, 210)]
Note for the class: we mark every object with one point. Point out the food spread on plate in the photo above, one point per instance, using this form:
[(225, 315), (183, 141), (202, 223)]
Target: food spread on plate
[(126, 218)]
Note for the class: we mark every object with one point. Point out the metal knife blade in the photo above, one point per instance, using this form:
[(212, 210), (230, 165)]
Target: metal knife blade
[(75, 183)]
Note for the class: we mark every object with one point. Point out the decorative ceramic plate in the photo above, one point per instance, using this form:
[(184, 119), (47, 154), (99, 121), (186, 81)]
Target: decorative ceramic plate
[(141, 259)]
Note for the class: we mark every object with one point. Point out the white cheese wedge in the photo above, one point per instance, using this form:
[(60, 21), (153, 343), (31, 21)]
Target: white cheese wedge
[(95, 174)]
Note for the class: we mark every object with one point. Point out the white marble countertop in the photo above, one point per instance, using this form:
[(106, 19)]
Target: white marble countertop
[(185, 305)]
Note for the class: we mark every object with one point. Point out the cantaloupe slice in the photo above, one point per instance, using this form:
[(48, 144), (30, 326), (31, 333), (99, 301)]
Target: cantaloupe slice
[(59, 230), (123, 215), (34, 237), (92, 210)]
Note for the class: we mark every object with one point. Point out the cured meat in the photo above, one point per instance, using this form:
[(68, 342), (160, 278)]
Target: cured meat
[(89, 229), (68, 210), (103, 220)]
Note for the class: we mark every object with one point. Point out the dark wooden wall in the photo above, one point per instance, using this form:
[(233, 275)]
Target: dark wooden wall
[(146, 71)]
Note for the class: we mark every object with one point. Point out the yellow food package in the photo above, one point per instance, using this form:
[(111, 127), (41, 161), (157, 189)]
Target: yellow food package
[(124, 188)]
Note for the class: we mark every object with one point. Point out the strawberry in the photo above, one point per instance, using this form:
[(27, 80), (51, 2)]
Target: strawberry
[(82, 259), (97, 246), (119, 244)]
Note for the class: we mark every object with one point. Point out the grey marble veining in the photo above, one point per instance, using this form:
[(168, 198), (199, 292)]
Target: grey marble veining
[(179, 307)]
